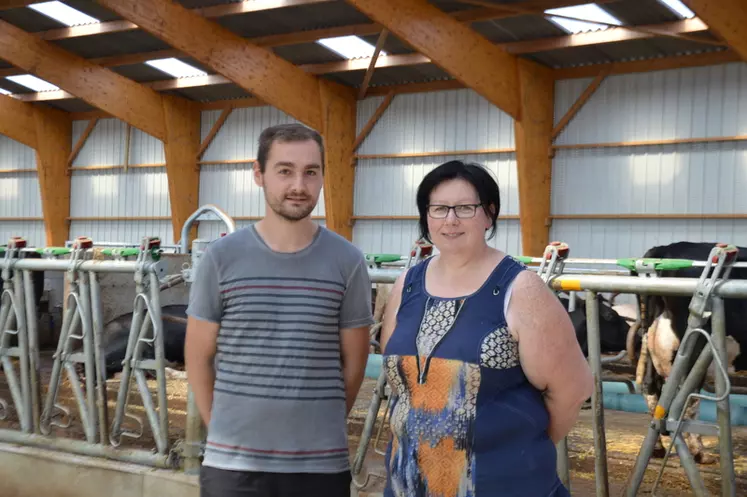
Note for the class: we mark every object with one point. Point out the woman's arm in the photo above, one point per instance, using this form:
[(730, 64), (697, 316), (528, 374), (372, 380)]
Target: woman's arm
[(549, 352)]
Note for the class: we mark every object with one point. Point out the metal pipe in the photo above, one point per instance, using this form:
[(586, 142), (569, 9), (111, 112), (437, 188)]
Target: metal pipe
[(563, 463), (159, 354), (195, 433), (89, 353), (96, 266), (726, 454), (71, 446), (97, 325), (622, 284), (230, 224), (23, 348), (597, 409), (33, 341)]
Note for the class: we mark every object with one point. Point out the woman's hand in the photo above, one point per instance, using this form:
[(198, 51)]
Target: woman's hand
[(549, 352)]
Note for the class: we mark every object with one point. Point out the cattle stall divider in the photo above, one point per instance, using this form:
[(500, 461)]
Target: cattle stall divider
[(82, 322), (709, 293)]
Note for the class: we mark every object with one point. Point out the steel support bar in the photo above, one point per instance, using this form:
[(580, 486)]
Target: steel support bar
[(94, 266), (134, 456), (597, 409), (654, 286), (726, 453)]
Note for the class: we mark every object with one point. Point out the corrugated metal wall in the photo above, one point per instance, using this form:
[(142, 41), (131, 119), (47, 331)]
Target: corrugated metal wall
[(19, 193), (116, 193), (456, 120), (231, 186), (691, 178)]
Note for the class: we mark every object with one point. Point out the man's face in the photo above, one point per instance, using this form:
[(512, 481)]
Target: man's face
[(292, 179)]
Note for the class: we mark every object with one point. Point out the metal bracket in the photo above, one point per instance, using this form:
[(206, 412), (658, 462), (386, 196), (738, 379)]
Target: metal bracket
[(723, 256), (553, 260)]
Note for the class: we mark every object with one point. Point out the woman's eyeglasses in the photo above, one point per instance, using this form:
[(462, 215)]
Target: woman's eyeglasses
[(464, 211)]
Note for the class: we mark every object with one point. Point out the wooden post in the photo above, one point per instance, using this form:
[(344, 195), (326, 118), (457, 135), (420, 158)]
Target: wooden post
[(533, 162), (181, 149), (338, 116), (54, 130)]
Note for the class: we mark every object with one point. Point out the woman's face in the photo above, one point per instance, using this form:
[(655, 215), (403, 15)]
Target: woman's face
[(463, 226)]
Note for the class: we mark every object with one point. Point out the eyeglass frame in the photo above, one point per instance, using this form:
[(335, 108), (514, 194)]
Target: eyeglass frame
[(454, 208)]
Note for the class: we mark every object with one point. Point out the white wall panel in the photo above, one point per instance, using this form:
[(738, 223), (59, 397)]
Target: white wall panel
[(136, 192), (704, 178), (681, 179), (439, 122), (366, 109), (32, 231), (237, 138), (398, 236), (19, 193), (15, 155), (567, 92), (122, 231), (683, 103), (387, 187), (616, 238), (112, 193)]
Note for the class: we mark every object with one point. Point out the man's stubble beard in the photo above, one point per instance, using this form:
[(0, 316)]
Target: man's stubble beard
[(289, 214)]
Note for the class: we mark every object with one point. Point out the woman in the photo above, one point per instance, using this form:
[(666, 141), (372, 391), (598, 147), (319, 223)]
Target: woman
[(485, 369)]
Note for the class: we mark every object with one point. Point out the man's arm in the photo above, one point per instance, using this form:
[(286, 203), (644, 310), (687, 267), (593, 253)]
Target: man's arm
[(199, 354), (354, 348), (203, 323), (356, 319)]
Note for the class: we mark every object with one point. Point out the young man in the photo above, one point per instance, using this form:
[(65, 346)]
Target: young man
[(277, 337)]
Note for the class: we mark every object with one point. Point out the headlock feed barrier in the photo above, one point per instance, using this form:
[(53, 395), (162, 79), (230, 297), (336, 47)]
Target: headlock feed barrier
[(79, 350)]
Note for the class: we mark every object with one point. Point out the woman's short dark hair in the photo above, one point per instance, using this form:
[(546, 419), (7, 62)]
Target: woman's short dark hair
[(477, 175)]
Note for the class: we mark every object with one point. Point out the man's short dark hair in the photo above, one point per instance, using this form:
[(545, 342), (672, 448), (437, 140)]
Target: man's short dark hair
[(285, 133), (475, 174)]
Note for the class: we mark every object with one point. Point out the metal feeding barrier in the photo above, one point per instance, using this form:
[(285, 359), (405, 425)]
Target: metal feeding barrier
[(79, 347), (679, 390)]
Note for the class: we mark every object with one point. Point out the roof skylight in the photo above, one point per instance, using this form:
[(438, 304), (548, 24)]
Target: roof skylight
[(63, 13), (176, 68), (349, 47), (679, 8), (3, 91), (586, 15), (32, 82)]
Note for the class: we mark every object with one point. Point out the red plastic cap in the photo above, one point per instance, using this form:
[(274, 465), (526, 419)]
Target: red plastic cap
[(223, 234), (83, 242), (17, 242)]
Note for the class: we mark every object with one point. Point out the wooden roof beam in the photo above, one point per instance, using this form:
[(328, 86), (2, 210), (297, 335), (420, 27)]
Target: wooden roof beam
[(727, 18), (456, 48), (100, 87), (256, 69), (17, 121)]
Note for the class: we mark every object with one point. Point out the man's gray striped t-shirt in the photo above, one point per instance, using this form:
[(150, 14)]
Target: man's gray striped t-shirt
[(279, 398)]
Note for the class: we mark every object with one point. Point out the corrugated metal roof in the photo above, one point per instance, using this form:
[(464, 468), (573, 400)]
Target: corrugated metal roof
[(293, 19), (517, 29), (212, 93), (385, 76), (109, 44)]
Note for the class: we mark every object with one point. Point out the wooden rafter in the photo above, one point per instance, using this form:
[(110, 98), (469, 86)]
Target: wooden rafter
[(727, 18), (213, 131), (383, 106), (268, 76), (82, 140), (580, 102), (372, 63), (456, 48)]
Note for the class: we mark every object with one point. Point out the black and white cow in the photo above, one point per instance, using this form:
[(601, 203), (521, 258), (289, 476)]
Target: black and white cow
[(664, 323)]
